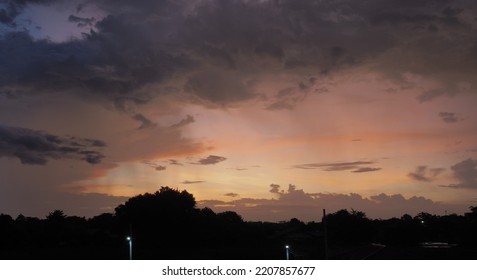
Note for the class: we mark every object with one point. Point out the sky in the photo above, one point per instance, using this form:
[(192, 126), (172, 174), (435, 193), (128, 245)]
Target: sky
[(273, 109)]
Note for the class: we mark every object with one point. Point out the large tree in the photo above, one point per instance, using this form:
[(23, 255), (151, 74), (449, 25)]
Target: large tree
[(167, 213)]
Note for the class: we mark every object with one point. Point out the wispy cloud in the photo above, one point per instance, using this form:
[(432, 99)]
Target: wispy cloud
[(366, 169), (145, 122), (174, 162), (355, 166), (188, 120), (449, 117), (187, 182), (154, 165), (425, 174)]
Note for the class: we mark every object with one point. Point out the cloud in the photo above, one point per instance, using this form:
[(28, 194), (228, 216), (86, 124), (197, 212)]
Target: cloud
[(355, 166), (425, 174), (220, 87), (145, 122), (37, 147), (188, 120), (466, 174), (81, 22), (274, 188), (12, 8), (210, 160), (154, 165), (187, 182), (366, 169), (429, 95), (289, 97), (282, 105), (215, 53), (448, 117), (160, 168), (296, 203), (231, 194), (153, 143), (174, 162)]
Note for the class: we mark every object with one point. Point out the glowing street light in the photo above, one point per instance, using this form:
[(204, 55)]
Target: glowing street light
[(287, 251), (129, 239)]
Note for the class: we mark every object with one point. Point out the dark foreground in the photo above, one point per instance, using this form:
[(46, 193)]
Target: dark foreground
[(167, 225)]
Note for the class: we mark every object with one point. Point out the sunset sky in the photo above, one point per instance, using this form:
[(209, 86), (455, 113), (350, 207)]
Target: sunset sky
[(273, 109)]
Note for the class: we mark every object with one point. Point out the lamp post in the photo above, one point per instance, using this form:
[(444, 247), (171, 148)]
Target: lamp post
[(287, 252), (129, 239)]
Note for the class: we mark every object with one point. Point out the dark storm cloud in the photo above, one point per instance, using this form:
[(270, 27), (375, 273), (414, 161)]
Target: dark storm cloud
[(448, 117), (37, 147), (210, 160), (355, 166), (425, 174), (96, 68), (10, 9), (216, 50), (466, 173)]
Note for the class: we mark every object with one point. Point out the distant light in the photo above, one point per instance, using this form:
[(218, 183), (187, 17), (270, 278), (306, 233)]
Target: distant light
[(422, 222), (128, 238), (286, 246)]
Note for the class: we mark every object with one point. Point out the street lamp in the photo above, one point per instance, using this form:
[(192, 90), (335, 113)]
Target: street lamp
[(129, 239), (286, 252)]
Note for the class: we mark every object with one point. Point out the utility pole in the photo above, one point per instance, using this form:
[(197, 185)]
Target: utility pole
[(325, 230)]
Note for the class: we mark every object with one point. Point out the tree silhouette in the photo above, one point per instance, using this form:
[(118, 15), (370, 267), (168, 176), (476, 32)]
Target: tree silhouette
[(161, 219), (165, 204), (5, 220), (346, 227), (168, 225), (229, 217), (56, 216)]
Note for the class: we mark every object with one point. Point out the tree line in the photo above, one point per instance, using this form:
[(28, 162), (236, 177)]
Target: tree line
[(168, 224)]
